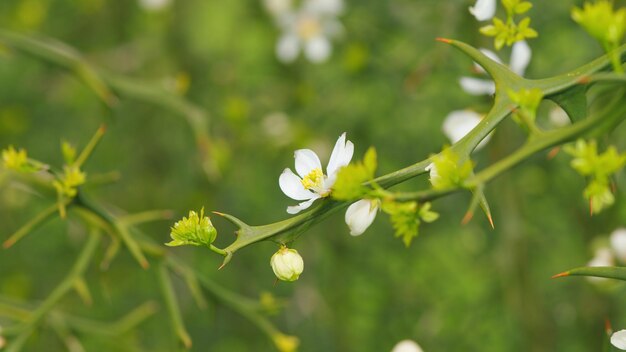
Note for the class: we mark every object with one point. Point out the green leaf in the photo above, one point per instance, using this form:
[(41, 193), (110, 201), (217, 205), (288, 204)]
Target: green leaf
[(351, 178)]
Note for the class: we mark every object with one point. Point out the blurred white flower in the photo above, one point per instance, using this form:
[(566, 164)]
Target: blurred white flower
[(618, 339), (154, 5), (520, 58), (407, 346), (459, 123), (311, 183), (309, 29), (558, 117), (618, 244), (483, 9), (361, 214)]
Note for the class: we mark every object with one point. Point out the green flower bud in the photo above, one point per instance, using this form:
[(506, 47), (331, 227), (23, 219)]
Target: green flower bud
[(287, 264), (194, 230)]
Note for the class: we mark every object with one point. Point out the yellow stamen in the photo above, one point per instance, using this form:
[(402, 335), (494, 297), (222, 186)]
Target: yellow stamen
[(308, 27), (314, 180)]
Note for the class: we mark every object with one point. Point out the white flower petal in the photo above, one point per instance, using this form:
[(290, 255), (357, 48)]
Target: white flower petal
[(477, 86), (459, 123), (329, 7), (618, 339), (277, 7), (433, 173), (292, 186), (520, 57), (407, 346), (558, 117), (317, 49), (618, 244), (360, 215), (483, 9), (306, 161), (340, 156), (287, 48), (295, 209)]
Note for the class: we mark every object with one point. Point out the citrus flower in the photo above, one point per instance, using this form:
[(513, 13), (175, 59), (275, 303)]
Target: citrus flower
[(310, 183), (361, 214), (520, 58), (287, 264), (618, 339), (483, 10), (309, 29), (407, 346), (459, 123)]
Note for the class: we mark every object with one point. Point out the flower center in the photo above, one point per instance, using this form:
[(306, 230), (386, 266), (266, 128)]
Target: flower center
[(308, 27), (314, 180)]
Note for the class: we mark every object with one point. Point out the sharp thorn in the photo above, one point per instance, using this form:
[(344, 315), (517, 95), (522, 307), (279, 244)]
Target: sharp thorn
[(444, 40), (467, 217), (563, 274), (553, 152)]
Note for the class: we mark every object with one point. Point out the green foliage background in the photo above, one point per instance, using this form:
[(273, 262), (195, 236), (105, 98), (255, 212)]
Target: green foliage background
[(388, 84)]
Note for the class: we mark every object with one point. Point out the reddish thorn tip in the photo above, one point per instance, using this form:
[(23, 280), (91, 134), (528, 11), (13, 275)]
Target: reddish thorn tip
[(563, 274), (102, 128), (584, 80), (218, 213), (493, 227), (468, 216), (607, 326), (553, 152), (444, 40), (7, 244)]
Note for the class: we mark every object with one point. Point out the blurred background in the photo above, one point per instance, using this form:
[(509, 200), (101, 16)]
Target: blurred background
[(386, 82)]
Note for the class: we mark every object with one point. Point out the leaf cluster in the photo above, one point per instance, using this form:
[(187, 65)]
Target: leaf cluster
[(351, 178)]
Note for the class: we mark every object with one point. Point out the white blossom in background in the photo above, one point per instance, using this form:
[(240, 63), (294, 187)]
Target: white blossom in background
[(483, 10), (407, 346), (618, 244), (360, 215), (308, 29), (310, 183), (618, 339), (459, 123), (520, 58), (154, 5), (558, 117)]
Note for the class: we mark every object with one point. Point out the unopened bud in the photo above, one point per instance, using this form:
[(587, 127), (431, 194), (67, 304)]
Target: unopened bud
[(287, 264)]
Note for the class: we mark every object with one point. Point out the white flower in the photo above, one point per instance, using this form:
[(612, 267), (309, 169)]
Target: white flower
[(618, 244), (154, 5), (618, 339), (520, 58), (407, 346), (309, 29), (312, 184), (483, 9), (459, 123), (361, 214), (287, 264)]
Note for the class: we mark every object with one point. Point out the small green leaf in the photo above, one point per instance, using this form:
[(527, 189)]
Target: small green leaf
[(350, 178)]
